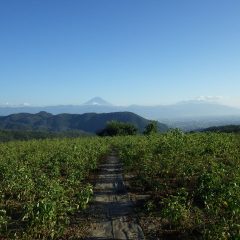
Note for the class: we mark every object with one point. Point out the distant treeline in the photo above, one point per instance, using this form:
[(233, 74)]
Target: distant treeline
[(9, 135), (224, 129)]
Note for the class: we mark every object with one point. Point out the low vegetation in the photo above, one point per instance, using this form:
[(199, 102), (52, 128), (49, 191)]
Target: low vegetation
[(9, 135), (192, 182), (44, 183)]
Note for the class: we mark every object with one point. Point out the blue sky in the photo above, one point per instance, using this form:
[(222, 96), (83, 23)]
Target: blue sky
[(126, 51)]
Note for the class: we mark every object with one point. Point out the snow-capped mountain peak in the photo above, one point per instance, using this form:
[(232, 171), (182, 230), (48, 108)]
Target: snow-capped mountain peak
[(97, 101)]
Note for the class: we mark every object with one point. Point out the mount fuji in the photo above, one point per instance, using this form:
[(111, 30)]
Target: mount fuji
[(97, 101)]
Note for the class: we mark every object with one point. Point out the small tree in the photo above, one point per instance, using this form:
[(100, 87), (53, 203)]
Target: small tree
[(115, 128), (151, 128)]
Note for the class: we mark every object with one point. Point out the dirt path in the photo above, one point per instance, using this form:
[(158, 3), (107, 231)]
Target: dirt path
[(111, 210)]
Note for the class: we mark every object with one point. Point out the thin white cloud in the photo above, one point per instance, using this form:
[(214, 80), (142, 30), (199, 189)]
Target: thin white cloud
[(26, 104), (209, 98), (7, 104), (229, 101)]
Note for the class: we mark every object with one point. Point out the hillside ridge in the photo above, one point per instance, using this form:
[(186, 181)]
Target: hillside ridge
[(87, 122)]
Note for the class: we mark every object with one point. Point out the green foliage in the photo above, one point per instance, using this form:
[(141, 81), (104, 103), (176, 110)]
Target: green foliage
[(8, 135), (43, 183), (151, 128), (193, 180), (176, 209), (3, 221), (115, 128)]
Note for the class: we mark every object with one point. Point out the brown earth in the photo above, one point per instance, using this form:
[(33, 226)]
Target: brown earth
[(112, 211)]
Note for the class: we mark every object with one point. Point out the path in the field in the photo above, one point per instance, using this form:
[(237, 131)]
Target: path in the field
[(112, 215)]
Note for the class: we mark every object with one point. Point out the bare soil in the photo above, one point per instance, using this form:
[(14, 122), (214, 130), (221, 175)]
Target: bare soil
[(112, 211)]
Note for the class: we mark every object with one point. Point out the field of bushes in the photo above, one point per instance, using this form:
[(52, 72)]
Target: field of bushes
[(192, 180), (43, 183)]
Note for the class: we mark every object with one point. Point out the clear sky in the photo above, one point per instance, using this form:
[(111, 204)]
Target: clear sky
[(126, 51)]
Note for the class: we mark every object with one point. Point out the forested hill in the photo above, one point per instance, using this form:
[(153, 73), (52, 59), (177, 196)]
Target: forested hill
[(88, 122), (224, 129)]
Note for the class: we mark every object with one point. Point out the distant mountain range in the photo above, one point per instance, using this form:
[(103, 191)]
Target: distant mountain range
[(187, 115), (196, 108), (88, 122)]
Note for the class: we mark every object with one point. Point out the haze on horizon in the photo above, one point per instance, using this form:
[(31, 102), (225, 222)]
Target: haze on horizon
[(128, 52)]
